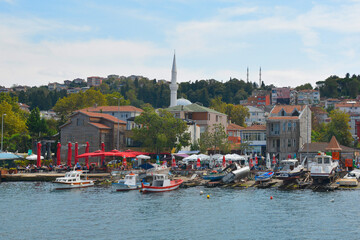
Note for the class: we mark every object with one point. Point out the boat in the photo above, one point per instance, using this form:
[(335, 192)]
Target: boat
[(157, 169), (214, 176), (130, 182), (290, 169), (72, 179), (323, 168), (161, 183), (264, 177), (351, 179), (236, 173)]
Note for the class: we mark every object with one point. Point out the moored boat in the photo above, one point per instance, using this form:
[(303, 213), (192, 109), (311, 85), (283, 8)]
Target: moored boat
[(130, 182), (323, 168), (237, 173), (290, 169), (264, 177), (214, 176), (161, 183), (72, 179)]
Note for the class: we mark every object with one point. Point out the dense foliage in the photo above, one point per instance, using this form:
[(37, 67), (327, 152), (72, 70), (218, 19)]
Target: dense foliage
[(335, 87)]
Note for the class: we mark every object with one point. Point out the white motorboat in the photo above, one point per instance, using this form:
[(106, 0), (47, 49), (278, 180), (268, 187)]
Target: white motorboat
[(161, 183), (290, 169), (73, 179), (130, 182), (157, 169), (351, 179), (323, 168)]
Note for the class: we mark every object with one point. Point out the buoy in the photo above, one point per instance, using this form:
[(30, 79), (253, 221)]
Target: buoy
[(271, 197), (208, 196), (201, 192)]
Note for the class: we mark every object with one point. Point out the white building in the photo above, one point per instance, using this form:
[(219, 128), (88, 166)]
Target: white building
[(353, 109), (257, 115), (305, 97)]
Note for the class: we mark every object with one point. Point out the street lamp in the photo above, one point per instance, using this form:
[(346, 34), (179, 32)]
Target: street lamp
[(118, 128), (2, 130)]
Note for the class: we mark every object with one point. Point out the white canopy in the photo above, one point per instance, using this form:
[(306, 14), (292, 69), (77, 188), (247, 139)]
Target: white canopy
[(34, 157), (231, 157), (194, 158), (143, 157)]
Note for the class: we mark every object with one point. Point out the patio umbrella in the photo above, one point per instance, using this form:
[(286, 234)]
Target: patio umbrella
[(173, 163), (165, 163), (143, 156), (268, 161), (256, 160), (76, 152), (38, 162), (69, 154), (157, 159), (97, 153), (102, 157), (273, 160), (58, 154), (224, 162), (251, 164), (34, 157), (198, 164), (87, 158), (124, 162)]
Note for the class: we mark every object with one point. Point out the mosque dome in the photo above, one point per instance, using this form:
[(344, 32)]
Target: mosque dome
[(182, 101)]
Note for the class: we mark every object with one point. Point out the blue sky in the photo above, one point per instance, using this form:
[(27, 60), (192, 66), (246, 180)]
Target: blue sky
[(294, 42)]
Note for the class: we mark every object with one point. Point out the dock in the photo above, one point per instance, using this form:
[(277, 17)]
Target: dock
[(44, 177)]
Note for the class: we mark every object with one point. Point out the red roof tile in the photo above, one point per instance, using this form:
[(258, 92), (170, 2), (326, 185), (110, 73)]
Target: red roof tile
[(102, 115), (333, 145), (113, 109), (346, 104), (256, 127), (233, 126), (99, 125)]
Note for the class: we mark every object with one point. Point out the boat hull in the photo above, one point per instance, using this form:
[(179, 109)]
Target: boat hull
[(64, 186), (264, 177), (151, 189), (288, 176), (214, 177)]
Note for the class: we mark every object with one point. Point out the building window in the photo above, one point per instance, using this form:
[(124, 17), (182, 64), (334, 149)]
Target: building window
[(230, 133), (209, 116), (294, 143), (217, 118), (289, 126), (289, 142), (284, 126), (294, 125)]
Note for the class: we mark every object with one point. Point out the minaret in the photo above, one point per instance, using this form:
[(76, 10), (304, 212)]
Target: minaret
[(247, 74), (260, 78), (173, 85)]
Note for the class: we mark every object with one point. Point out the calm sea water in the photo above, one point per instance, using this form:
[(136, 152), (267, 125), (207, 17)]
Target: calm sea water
[(30, 210)]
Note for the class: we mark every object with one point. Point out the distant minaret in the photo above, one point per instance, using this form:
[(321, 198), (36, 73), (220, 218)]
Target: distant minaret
[(173, 85), (247, 74), (260, 78)]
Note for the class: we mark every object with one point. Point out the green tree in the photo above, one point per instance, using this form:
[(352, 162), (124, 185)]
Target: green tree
[(160, 131), (112, 99), (339, 127), (214, 138), (236, 113)]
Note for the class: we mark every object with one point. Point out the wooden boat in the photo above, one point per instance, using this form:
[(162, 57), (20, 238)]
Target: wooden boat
[(214, 176), (264, 177), (72, 179), (161, 183), (290, 169), (130, 182), (323, 168)]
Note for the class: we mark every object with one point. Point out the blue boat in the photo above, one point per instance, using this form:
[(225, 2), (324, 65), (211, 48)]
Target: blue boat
[(214, 176), (264, 177)]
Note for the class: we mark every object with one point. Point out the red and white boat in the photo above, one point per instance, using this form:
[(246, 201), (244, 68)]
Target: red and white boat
[(161, 183)]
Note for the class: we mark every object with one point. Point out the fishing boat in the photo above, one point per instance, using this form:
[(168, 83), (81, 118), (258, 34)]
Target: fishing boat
[(290, 169), (161, 183), (264, 177), (130, 182), (157, 169), (323, 168), (214, 176), (351, 179), (72, 179), (237, 173)]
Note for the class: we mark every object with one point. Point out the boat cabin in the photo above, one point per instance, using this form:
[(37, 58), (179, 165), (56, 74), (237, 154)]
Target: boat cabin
[(131, 179), (323, 165), (289, 165), (72, 176), (160, 180)]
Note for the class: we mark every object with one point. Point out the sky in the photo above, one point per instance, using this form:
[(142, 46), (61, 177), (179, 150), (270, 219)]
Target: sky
[(294, 42)]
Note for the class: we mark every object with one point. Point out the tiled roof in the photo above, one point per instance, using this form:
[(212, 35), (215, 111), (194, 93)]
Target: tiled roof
[(102, 115), (346, 104), (233, 126), (333, 145), (99, 125), (113, 109), (255, 127), (192, 108), (321, 146), (284, 118), (287, 108)]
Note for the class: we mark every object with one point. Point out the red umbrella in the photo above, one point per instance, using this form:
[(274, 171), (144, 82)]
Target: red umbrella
[(274, 160), (58, 154), (230, 162), (69, 154), (87, 158), (102, 157), (198, 164), (289, 156), (224, 162), (165, 163), (38, 161), (251, 163), (173, 164), (97, 153), (76, 152), (256, 159), (124, 162)]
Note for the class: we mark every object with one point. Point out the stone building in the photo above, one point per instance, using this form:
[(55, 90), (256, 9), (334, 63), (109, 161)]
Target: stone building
[(288, 127), (94, 128)]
